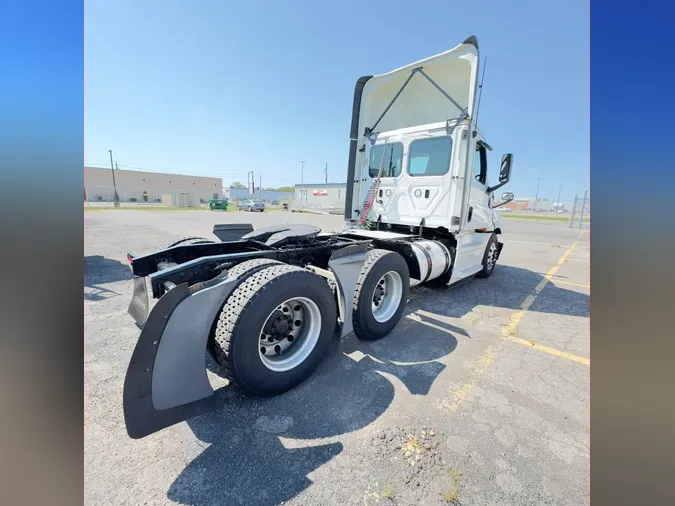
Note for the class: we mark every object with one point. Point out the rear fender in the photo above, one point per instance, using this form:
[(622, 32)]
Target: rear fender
[(166, 381)]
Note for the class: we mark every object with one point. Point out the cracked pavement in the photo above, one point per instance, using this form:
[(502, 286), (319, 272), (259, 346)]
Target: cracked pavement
[(509, 421)]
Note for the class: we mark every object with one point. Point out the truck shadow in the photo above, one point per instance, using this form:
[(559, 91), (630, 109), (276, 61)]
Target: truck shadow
[(99, 270), (247, 463), (507, 288)]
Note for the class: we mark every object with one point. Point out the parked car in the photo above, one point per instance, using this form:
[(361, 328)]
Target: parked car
[(251, 205)]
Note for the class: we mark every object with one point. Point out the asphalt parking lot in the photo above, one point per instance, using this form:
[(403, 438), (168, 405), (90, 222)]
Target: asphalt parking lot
[(480, 396)]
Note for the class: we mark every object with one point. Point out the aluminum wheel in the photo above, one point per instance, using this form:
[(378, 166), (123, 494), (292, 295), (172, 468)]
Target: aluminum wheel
[(387, 296), (491, 259), (289, 334)]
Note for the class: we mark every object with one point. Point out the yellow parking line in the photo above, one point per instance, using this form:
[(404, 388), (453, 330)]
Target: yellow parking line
[(510, 329), (570, 283), (481, 365), (552, 351)]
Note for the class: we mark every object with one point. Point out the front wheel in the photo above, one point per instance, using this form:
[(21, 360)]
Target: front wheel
[(490, 257), (381, 294)]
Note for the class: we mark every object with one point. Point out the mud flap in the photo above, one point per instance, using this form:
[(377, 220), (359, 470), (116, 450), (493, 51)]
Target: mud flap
[(500, 245), (166, 382), (346, 264), (140, 305)]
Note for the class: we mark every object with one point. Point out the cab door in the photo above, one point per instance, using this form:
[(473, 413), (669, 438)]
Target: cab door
[(479, 212), (472, 240)]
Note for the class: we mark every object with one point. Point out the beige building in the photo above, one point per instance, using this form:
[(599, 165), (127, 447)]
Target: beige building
[(321, 196), (139, 186)]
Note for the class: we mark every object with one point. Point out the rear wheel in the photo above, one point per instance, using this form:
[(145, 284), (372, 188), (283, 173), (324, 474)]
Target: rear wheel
[(275, 329), (489, 258), (381, 294)]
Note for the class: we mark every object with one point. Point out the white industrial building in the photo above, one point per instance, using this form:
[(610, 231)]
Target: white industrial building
[(141, 186), (322, 196)]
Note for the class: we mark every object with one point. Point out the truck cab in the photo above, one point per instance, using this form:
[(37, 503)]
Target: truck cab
[(418, 163), (422, 176)]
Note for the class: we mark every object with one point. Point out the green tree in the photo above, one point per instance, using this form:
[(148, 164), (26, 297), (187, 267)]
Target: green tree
[(238, 186)]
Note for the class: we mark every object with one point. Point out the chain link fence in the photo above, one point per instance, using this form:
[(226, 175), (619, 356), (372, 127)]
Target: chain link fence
[(580, 216)]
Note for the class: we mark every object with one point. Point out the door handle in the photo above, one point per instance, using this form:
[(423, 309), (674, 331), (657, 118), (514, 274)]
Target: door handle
[(470, 213)]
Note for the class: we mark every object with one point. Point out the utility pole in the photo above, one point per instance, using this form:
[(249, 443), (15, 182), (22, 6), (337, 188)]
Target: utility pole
[(250, 182), (302, 171), (116, 197), (325, 173), (537, 195), (260, 182), (557, 207)]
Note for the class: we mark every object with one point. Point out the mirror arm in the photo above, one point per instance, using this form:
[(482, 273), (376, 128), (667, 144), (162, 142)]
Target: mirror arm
[(496, 187), (499, 205)]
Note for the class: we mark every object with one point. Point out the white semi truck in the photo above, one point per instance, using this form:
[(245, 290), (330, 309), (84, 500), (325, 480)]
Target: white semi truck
[(266, 303)]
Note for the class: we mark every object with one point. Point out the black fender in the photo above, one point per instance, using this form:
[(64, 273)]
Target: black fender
[(166, 381)]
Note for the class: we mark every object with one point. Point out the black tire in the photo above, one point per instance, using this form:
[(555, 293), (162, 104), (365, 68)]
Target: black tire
[(241, 319), (250, 266), (489, 269), (241, 272), (189, 240), (377, 264)]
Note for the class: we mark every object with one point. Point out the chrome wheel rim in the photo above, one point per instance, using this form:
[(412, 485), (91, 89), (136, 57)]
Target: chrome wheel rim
[(289, 334), (492, 256), (386, 297)]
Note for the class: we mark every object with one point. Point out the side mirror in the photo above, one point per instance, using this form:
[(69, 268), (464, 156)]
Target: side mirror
[(504, 172), (506, 198)]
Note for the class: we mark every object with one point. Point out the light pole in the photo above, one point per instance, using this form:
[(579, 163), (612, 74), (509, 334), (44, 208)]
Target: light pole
[(116, 198), (537, 195), (302, 170)]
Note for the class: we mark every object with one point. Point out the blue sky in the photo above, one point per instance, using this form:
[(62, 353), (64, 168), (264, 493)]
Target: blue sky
[(221, 88)]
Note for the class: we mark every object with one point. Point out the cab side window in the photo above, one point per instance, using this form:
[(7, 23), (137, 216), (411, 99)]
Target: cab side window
[(430, 157), (480, 164), (387, 155)]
